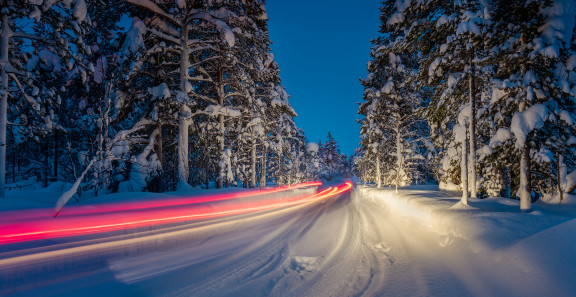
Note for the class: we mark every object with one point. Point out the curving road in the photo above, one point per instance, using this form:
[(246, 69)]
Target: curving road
[(343, 246)]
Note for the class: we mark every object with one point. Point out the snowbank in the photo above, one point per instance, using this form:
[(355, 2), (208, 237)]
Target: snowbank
[(486, 223), (509, 247)]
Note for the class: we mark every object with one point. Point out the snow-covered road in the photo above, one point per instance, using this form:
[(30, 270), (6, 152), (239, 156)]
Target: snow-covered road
[(345, 246)]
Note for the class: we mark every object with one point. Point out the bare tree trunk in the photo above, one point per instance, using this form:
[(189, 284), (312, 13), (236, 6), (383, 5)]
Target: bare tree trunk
[(158, 143), (263, 168), (253, 166), (14, 167), (464, 170), (472, 126), (280, 174), (399, 157), (560, 175), (378, 174), (56, 148), (525, 180), (221, 127), (183, 170), (4, 43), (46, 167)]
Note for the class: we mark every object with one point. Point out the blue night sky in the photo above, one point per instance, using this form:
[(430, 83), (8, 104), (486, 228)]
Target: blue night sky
[(322, 47)]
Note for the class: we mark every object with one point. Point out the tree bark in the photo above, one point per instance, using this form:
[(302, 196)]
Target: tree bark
[(464, 170), (399, 159), (4, 62), (263, 168), (561, 175), (524, 190), (253, 166), (46, 167), (158, 144), (472, 126), (221, 127), (183, 170), (56, 148), (378, 174)]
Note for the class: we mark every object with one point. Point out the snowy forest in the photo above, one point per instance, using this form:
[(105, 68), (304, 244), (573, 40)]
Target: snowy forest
[(151, 148), (476, 95), (142, 95)]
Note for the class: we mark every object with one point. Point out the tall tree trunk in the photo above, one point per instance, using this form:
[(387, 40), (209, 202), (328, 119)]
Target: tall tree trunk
[(158, 143), (14, 167), (46, 167), (562, 171), (4, 43), (183, 122), (263, 168), (56, 148), (279, 173), (221, 128), (378, 173), (399, 157), (561, 175), (472, 126), (524, 192), (253, 166), (464, 170)]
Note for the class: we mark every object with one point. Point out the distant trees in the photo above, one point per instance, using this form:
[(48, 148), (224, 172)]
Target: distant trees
[(497, 85), (332, 163)]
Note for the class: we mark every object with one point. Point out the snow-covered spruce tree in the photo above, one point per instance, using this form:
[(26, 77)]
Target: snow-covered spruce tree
[(330, 159), (35, 38), (372, 139), (532, 99), (254, 85), (566, 167), (92, 98), (452, 50), (312, 161), (392, 102), (362, 165), (285, 140)]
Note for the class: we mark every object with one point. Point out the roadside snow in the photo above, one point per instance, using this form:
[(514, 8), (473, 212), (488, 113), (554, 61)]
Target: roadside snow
[(508, 247)]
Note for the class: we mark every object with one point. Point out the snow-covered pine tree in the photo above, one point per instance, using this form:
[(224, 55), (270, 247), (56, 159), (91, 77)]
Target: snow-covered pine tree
[(189, 29), (330, 158), (95, 88), (452, 49), (392, 101), (532, 101), (312, 161), (373, 150), (26, 51)]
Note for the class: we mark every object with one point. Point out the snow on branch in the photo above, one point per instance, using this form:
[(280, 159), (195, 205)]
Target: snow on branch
[(65, 197), (151, 6), (526, 121)]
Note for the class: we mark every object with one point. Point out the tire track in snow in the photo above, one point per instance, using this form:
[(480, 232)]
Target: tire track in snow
[(241, 267)]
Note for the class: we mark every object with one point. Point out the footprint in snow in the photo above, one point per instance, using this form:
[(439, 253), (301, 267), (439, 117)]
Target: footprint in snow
[(382, 247), (302, 264), (445, 240)]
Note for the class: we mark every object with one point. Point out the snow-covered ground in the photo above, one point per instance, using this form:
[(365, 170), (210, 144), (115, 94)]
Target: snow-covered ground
[(419, 242)]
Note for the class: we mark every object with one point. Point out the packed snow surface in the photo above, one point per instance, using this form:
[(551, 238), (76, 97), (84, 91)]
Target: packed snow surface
[(372, 242)]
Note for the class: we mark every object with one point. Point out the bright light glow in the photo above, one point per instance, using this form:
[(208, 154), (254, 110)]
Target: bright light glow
[(158, 213)]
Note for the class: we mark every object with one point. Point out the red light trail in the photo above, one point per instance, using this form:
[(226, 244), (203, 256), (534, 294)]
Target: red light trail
[(113, 217)]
